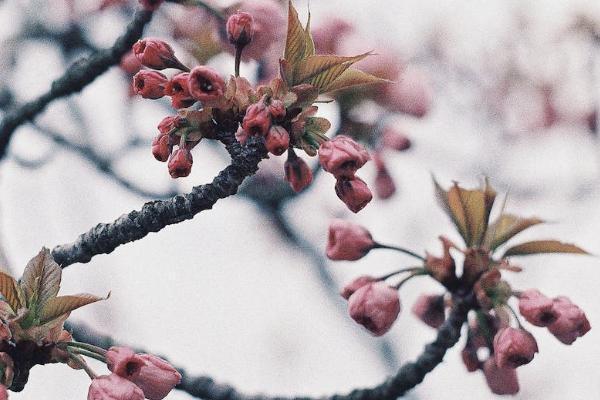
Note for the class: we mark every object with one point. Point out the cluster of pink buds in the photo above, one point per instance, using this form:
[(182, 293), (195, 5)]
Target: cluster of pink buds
[(375, 304), (282, 113)]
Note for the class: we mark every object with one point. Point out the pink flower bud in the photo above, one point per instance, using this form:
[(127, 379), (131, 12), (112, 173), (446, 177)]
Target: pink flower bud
[(240, 28), (120, 360), (277, 140), (354, 193), (180, 163), (114, 387), (342, 156), (411, 94), (500, 380), (571, 322), (161, 150), (155, 53), (130, 64), (356, 284), (155, 376), (297, 172), (430, 309), (169, 123), (442, 269), (348, 241), (514, 347), (395, 140), (3, 393), (277, 110), (384, 184), (151, 5), (375, 306), (470, 359), (178, 89), (205, 84), (257, 120), (149, 84), (536, 308)]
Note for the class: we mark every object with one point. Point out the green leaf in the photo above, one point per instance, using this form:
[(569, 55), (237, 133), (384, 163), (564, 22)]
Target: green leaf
[(317, 126), (58, 306), (506, 227), (308, 40), (9, 289), (541, 247), (468, 209), (41, 279), (295, 42), (350, 78), (323, 69)]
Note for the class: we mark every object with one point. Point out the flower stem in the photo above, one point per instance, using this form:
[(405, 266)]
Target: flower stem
[(238, 58), (87, 353), (73, 357), (90, 347), (400, 249), (409, 277), (400, 271), (516, 316)]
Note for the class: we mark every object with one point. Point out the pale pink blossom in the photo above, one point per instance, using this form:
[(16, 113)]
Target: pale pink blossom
[(155, 376), (277, 140), (342, 156), (536, 308), (375, 306), (354, 193), (178, 89), (411, 94), (571, 321), (348, 241), (500, 380), (149, 84), (514, 347), (114, 387), (429, 308), (329, 35), (257, 120), (393, 139), (240, 28), (356, 284), (205, 84), (297, 172)]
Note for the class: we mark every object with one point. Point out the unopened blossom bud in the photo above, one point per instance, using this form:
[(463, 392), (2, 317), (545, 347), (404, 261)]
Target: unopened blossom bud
[(156, 54), (470, 359), (356, 284), (120, 360), (536, 308), (161, 149), (514, 347), (384, 184), (155, 376), (375, 306), (392, 139), (430, 309), (342, 156), (277, 110), (151, 5), (442, 269), (149, 84), (500, 380), (130, 64), (297, 172), (114, 387), (180, 163), (240, 28), (3, 393), (348, 241), (277, 140), (354, 193), (168, 124), (178, 89), (257, 120), (571, 322), (205, 84)]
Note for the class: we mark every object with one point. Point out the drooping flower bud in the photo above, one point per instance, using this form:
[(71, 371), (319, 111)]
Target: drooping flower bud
[(257, 120), (395, 140), (348, 241), (342, 156), (178, 89), (161, 150), (354, 193), (356, 284), (500, 380), (571, 322), (375, 306), (514, 347), (536, 308), (240, 28), (205, 84), (277, 110), (130, 64), (277, 140), (114, 387), (442, 269), (156, 54), (169, 123), (180, 163), (297, 172), (384, 184), (149, 84), (155, 377), (151, 5), (430, 309)]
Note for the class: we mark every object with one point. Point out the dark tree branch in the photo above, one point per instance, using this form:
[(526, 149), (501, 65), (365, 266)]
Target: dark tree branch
[(155, 215), (77, 76), (407, 377)]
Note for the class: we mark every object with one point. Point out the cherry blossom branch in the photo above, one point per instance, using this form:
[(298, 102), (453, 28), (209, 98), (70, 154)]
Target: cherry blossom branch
[(408, 376), (155, 215), (77, 76)]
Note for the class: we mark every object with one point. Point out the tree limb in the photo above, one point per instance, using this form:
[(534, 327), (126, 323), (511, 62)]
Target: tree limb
[(407, 377), (77, 76), (155, 215)]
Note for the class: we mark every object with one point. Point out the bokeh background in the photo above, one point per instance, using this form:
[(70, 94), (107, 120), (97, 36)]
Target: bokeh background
[(504, 89)]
